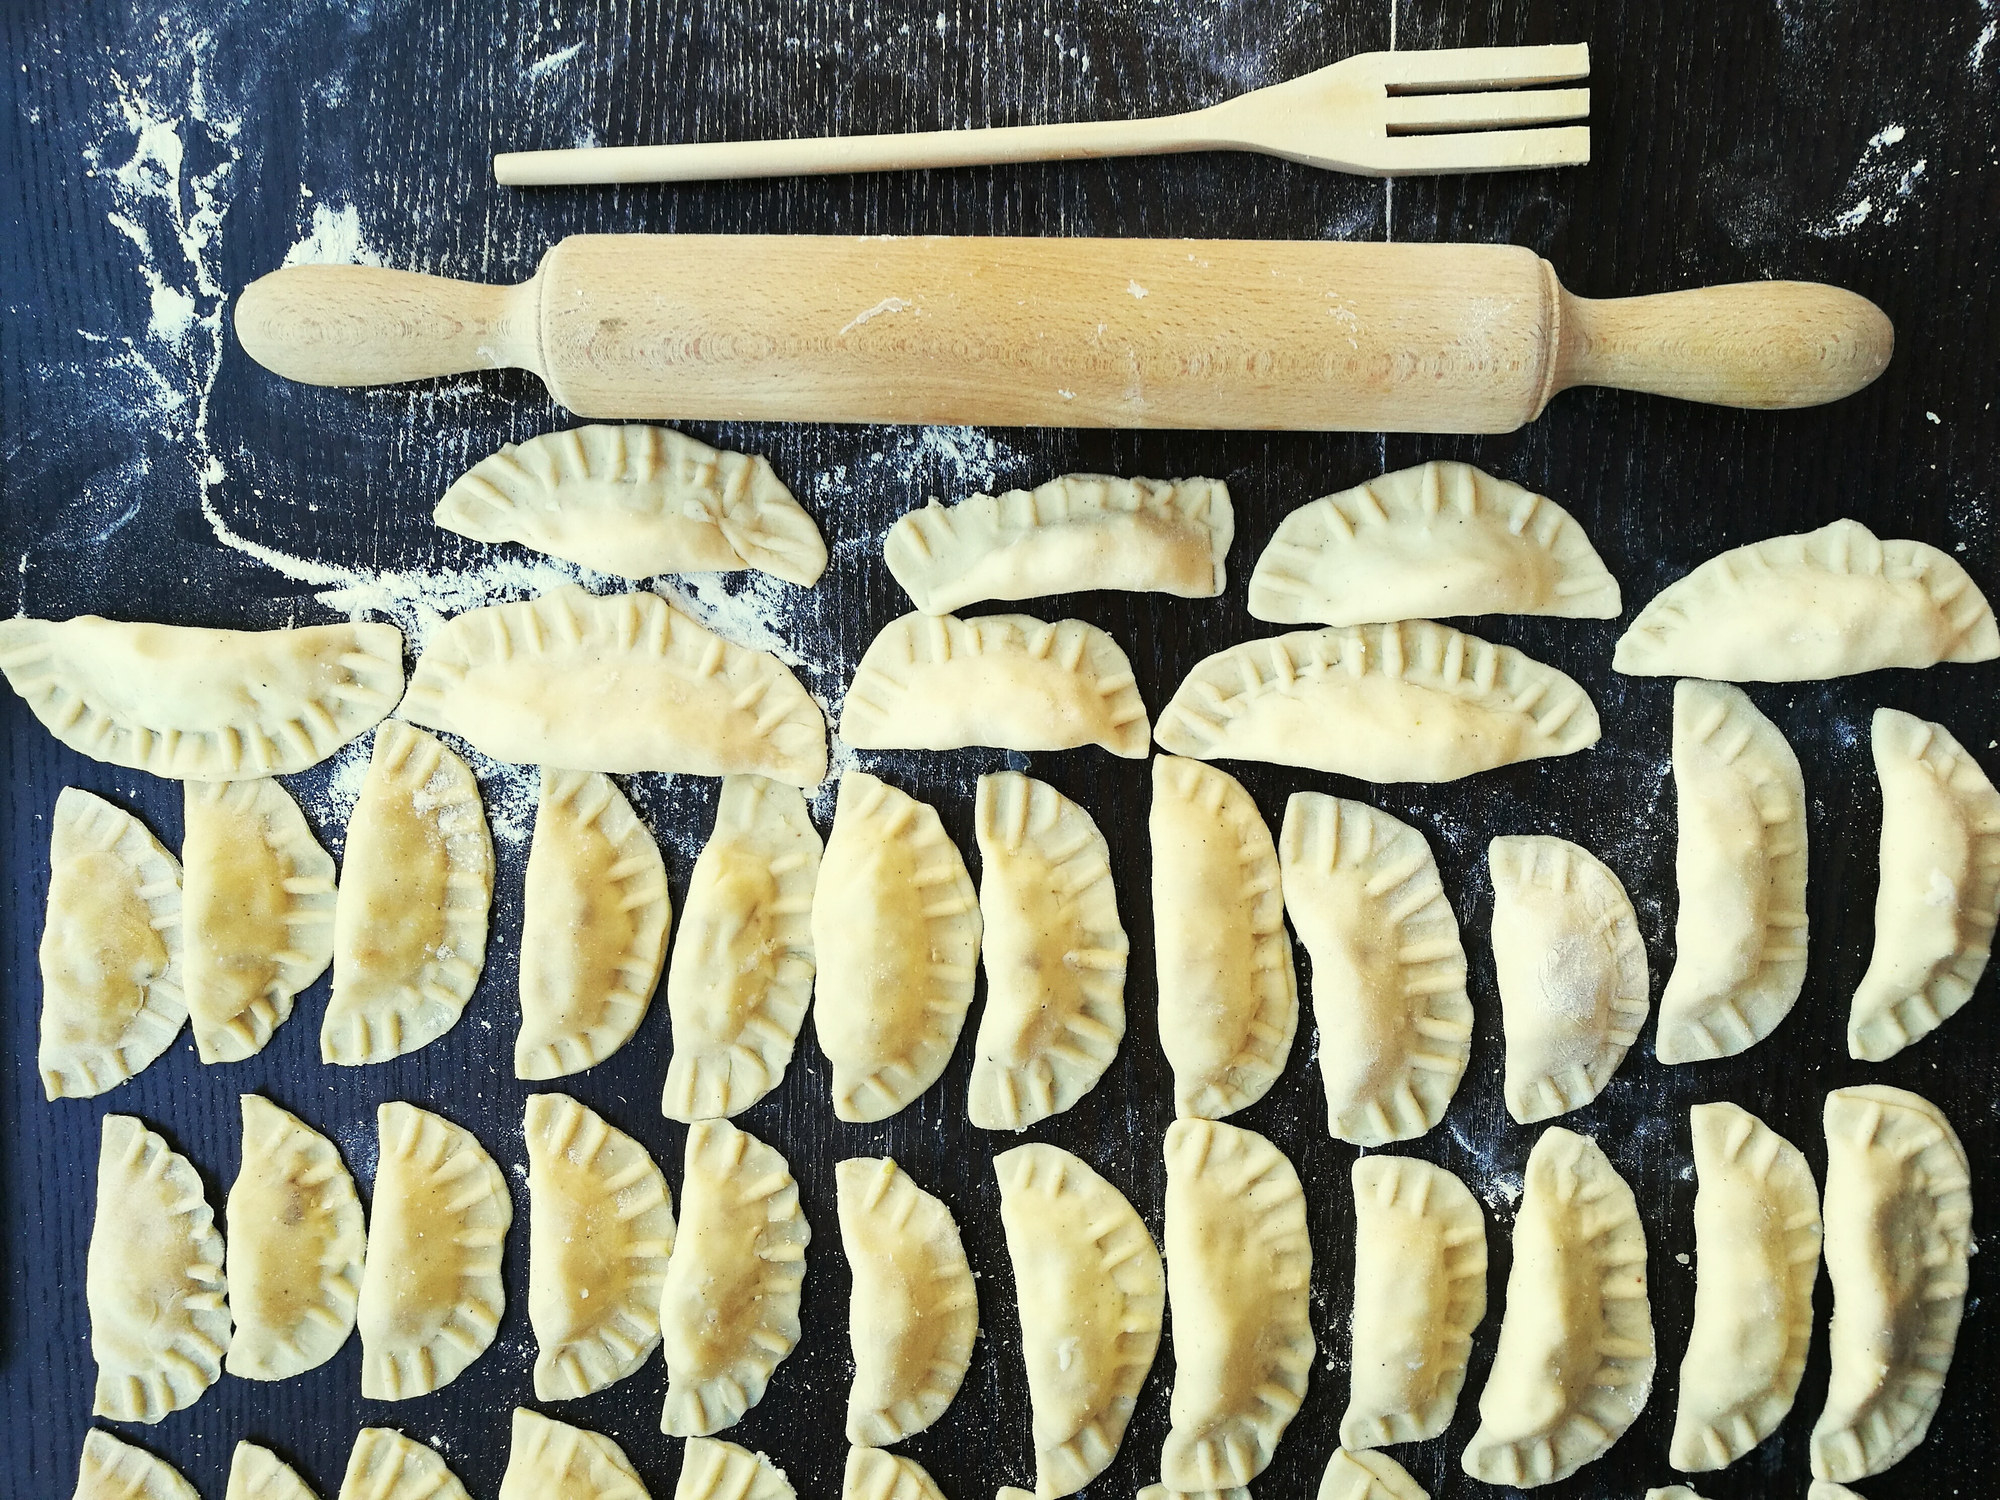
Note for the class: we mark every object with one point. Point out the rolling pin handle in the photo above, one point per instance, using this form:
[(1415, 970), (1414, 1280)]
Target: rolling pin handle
[(1767, 345), (366, 325)]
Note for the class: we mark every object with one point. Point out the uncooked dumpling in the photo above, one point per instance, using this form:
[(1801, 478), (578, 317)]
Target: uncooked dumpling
[(551, 1460), (872, 1474), (1572, 972), (1442, 539), (114, 1470), (636, 501), (936, 682), (111, 949), (256, 1473), (622, 683), (896, 930), (296, 1246), (385, 1465), (159, 1319), (714, 1470), (409, 925), (1054, 951), (1406, 702), (741, 975), (1825, 603), (1367, 1476), (594, 917), (257, 913), (203, 705)]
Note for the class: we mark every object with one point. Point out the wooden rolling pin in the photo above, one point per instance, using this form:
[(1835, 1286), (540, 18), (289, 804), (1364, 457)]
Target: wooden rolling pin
[(1316, 335)]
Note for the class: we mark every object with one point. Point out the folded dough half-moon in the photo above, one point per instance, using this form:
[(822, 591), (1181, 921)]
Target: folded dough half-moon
[(594, 917), (153, 1283), (409, 924), (1826, 1489), (872, 1474), (729, 1306), (1388, 970), (936, 682), (1419, 1291), (1939, 891), (622, 682), (600, 1229), (385, 1465), (1229, 999), (741, 975), (1091, 1292), (1440, 539), (551, 1460), (1740, 940), (714, 1470), (115, 1470), (256, 1473), (1413, 701), (112, 998), (914, 1311), (1367, 1476), (1073, 534), (1898, 1238), (431, 1294), (1572, 972), (1757, 1234), (635, 501), (258, 898), (1239, 1279), (896, 929), (1054, 952), (1823, 603), (296, 1247), (203, 705)]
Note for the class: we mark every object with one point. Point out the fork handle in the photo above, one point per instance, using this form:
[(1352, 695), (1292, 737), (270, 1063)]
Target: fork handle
[(720, 160)]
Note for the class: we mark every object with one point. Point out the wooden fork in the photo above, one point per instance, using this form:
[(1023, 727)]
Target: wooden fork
[(1378, 114)]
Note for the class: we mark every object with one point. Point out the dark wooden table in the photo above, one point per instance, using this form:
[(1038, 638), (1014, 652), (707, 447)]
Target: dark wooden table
[(154, 161)]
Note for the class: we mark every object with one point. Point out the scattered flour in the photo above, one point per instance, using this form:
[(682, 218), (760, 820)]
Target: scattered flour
[(886, 305), (541, 67), (1879, 188), (334, 238)]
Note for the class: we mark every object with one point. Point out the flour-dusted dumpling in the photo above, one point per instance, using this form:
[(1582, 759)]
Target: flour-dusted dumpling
[(1395, 1025), (1076, 533), (872, 1474), (431, 1294), (914, 1310), (1898, 1236), (115, 1470), (1239, 1273), (594, 917), (1572, 972), (256, 1473), (635, 501), (729, 1307), (936, 682), (600, 1229), (258, 898), (895, 927), (203, 705), (1367, 1476), (385, 1465), (1740, 941), (409, 925), (623, 682), (1824, 603), (1756, 1231), (1440, 539), (112, 997), (1575, 1362), (1408, 702), (551, 1460), (1419, 1291), (1229, 999), (1940, 886), (1091, 1291), (714, 1470), (296, 1246), (1826, 1489), (1054, 952), (741, 975), (153, 1283)]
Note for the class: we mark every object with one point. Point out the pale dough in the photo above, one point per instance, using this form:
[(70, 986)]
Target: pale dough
[(551, 1460), (714, 1470), (385, 1465), (256, 1473), (115, 1470), (1367, 1476)]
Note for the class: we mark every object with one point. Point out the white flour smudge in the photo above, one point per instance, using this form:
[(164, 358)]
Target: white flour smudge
[(541, 67), (1880, 186), (886, 305), (334, 238)]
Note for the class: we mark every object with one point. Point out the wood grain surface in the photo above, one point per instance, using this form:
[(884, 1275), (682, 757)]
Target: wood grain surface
[(155, 159)]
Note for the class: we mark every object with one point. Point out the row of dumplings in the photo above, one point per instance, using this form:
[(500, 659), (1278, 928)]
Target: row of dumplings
[(611, 1277)]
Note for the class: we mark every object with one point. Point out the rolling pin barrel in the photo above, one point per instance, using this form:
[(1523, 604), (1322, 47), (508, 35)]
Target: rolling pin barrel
[(1063, 332)]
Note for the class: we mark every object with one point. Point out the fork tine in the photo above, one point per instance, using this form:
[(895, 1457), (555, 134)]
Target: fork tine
[(1483, 151), (1480, 67), (1407, 113)]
